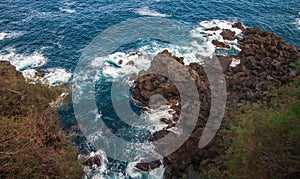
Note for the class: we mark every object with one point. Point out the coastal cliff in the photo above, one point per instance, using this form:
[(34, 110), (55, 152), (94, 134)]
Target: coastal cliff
[(33, 144), (265, 63)]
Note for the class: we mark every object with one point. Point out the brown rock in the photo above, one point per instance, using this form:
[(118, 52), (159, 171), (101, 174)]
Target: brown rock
[(264, 58), (220, 44), (228, 34), (254, 30), (213, 28), (95, 160), (40, 74), (148, 164), (239, 26), (225, 61), (168, 54), (166, 120), (158, 135)]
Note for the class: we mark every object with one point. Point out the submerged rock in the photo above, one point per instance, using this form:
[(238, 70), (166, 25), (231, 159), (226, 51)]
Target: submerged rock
[(213, 28)]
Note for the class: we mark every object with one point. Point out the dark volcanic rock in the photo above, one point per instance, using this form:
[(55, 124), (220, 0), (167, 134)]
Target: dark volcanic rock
[(228, 34), (120, 62), (151, 84), (147, 165), (166, 120), (226, 61), (239, 26), (93, 160), (168, 54), (265, 59), (220, 44), (158, 135), (213, 28)]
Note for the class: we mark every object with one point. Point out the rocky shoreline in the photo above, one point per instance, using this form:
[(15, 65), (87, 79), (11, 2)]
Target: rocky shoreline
[(265, 61)]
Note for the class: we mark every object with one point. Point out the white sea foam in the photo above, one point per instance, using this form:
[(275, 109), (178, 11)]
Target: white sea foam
[(2, 35), (145, 11), (31, 76), (134, 172), (189, 53), (120, 64), (223, 24), (68, 10), (22, 62), (153, 116), (235, 62), (97, 171), (53, 76), (202, 32), (116, 65), (298, 22), (56, 76), (8, 35), (27, 64)]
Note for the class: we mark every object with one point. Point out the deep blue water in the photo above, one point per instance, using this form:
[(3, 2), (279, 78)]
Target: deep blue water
[(60, 29), (45, 24)]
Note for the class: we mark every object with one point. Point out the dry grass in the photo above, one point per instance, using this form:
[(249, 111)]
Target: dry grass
[(32, 145)]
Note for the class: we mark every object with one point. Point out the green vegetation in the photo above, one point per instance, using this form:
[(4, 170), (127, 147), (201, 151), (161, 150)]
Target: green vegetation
[(32, 145), (264, 139)]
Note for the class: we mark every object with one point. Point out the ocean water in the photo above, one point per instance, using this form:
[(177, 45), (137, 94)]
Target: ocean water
[(49, 36)]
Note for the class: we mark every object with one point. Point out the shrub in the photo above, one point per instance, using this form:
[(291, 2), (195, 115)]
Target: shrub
[(265, 140), (32, 144)]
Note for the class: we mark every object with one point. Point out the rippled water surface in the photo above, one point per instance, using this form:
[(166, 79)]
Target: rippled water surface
[(49, 36)]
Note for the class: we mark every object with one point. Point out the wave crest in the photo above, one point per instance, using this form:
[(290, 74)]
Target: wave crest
[(145, 11)]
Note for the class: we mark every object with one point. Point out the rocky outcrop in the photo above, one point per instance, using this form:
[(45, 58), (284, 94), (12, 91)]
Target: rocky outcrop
[(228, 34), (265, 60), (238, 25)]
